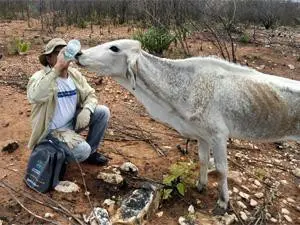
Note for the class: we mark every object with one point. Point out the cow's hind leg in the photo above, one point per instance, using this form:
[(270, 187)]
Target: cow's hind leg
[(219, 147)]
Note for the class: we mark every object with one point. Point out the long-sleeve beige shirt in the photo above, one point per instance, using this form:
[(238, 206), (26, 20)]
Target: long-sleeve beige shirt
[(42, 94)]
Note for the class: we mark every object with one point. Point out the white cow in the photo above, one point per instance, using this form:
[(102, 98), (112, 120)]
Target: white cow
[(204, 98)]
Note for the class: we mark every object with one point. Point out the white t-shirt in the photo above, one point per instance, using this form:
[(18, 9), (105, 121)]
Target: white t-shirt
[(66, 104)]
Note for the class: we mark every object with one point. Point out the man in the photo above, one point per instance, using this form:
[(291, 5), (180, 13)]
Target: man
[(62, 103)]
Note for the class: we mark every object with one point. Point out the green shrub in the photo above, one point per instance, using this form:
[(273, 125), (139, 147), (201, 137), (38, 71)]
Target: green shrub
[(18, 46), (180, 175), (245, 38), (81, 23), (155, 39)]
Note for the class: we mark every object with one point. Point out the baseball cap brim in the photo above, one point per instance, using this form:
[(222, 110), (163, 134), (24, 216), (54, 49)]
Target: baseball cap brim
[(42, 57)]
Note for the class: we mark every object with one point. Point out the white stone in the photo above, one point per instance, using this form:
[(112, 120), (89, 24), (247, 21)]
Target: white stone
[(292, 67), (283, 182), (290, 200), (241, 204), (235, 176), (191, 209), (181, 220), (289, 219), (296, 172), (253, 203), (160, 214), (67, 187), (129, 167), (259, 195), (235, 190), (245, 188), (49, 215), (285, 211), (243, 216), (109, 202), (244, 195), (273, 220), (228, 219), (111, 178), (257, 183)]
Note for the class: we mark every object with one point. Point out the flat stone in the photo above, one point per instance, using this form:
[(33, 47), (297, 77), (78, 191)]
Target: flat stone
[(296, 172), (253, 203), (235, 190), (259, 195), (191, 209), (285, 211), (129, 168), (228, 219), (111, 178), (273, 220), (290, 200), (289, 219), (235, 176), (243, 216), (139, 206), (67, 187), (241, 204), (257, 183), (244, 195)]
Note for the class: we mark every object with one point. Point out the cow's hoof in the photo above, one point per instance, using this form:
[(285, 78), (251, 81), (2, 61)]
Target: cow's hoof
[(201, 187), (219, 211)]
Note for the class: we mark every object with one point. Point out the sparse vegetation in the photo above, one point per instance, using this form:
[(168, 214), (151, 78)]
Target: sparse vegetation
[(181, 174), (18, 46), (155, 39), (244, 38)]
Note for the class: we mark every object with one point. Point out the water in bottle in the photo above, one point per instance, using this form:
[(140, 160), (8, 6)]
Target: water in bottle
[(73, 47)]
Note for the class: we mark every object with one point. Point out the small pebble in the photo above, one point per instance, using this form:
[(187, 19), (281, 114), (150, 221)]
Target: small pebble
[(243, 216), (241, 204), (285, 211), (289, 219), (253, 203), (259, 195)]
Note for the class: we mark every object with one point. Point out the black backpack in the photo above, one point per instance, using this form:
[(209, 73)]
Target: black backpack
[(47, 164)]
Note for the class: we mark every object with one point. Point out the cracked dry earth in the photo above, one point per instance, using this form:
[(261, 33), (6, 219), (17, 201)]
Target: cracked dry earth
[(263, 180)]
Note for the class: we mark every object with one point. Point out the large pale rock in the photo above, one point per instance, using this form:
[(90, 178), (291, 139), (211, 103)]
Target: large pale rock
[(139, 206), (111, 178), (67, 187), (129, 168), (296, 172)]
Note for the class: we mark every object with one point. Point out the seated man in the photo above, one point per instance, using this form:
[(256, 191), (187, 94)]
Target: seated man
[(62, 103)]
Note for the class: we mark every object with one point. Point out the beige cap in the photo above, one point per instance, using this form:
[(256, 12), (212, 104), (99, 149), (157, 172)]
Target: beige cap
[(55, 42)]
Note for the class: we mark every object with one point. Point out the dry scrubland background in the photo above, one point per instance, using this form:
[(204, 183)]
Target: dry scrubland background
[(264, 35)]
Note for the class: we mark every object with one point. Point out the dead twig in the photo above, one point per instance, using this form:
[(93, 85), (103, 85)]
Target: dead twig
[(29, 211)]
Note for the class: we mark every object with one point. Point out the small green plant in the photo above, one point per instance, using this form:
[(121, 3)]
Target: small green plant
[(244, 38), (18, 46), (155, 39), (81, 23), (179, 177)]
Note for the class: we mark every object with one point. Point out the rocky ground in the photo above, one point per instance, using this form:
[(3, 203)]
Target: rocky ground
[(264, 179)]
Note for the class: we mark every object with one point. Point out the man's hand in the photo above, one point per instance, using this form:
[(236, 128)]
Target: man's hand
[(61, 63), (83, 119)]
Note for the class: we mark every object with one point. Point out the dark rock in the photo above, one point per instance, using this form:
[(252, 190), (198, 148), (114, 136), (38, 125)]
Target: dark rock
[(10, 147)]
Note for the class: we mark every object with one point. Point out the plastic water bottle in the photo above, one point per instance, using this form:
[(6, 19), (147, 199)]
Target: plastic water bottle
[(73, 47)]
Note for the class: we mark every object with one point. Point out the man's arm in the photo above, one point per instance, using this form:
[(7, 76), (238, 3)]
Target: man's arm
[(38, 87), (89, 97)]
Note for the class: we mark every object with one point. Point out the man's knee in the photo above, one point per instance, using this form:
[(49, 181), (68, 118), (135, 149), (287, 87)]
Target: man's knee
[(102, 112), (82, 151)]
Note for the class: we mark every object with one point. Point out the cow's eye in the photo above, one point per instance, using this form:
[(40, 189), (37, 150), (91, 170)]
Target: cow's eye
[(114, 48)]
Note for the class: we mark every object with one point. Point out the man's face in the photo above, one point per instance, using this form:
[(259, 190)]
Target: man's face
[(52, 58)]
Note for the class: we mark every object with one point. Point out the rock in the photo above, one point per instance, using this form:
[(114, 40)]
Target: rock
[(99, 216), (257, 183), (259, 195), (283, 182), (49, 215), (289, 219), (296, 172), (273, 220), (291, 67), (160, 214), (139, 206), (5, 124), (261, 67), (191, 209), (243, 216), (253, 203), (109, 206), (67, 187), (235, 176), (109, 202), (228, 219), (290, 200), (235, 190), (129, 168), (111, 178), (285, 211), (10, 146), (244, 195), (241, 204)]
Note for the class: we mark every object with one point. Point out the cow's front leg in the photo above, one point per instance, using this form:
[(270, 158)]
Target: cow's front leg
[(203, 153)]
